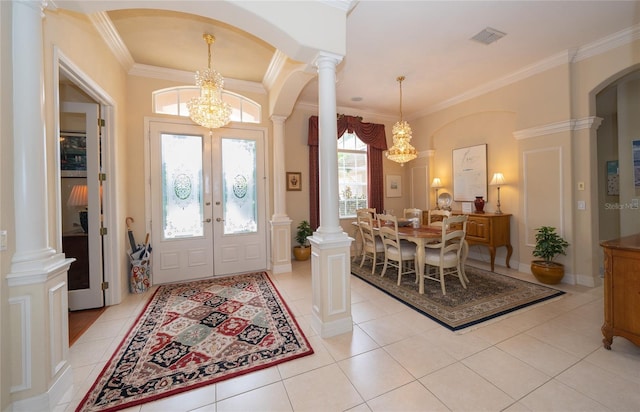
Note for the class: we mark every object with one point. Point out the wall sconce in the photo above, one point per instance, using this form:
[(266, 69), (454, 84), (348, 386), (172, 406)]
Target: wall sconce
[(436, 184), (497, 180), (78, 198)]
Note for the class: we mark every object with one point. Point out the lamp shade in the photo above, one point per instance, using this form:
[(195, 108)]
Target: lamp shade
[(436, 183), (78, 196), (497, 180)]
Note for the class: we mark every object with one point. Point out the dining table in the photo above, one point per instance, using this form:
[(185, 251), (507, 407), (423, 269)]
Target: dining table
[(422, 235)]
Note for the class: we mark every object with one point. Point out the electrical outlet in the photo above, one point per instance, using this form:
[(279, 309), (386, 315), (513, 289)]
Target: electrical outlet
[(582, 205)]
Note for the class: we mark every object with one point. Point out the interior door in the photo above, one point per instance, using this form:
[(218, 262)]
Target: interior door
[(89, 293), (207, 201)]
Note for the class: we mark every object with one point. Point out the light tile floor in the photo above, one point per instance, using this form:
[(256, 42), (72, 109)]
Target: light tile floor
[(544, 358)]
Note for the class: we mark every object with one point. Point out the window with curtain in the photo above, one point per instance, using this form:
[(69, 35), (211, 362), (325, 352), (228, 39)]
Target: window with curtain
[(352, 174), (373, 136)]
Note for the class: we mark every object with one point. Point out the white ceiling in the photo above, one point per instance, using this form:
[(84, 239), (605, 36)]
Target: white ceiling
[(426, 41)]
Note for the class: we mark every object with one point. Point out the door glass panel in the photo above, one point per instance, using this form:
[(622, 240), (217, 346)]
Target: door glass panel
[(182, 208), (239, 191)]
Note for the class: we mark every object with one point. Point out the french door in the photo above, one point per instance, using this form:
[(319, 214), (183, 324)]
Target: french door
[(208, 208)]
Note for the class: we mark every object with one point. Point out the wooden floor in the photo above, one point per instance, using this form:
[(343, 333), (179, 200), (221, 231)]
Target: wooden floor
[(80, 320)]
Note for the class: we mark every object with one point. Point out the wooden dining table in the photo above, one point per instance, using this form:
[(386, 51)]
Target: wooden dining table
[(421, 236)]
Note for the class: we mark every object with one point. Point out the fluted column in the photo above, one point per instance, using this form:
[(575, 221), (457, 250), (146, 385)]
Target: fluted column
[(330, 246), (280, 222)]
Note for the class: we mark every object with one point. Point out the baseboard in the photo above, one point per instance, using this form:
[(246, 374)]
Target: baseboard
[(50, 399)]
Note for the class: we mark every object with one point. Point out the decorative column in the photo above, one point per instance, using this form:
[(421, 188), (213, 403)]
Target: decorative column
[(280, 222), (331, 260), (38, 279)]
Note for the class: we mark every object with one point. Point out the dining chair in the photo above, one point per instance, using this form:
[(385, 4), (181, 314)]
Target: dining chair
[(398, 252), (413, 213), (445, 257), (372, 245), (435, 217)]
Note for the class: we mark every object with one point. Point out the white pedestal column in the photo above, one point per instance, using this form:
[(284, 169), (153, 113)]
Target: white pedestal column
[(38, 279), (331, 260), (280, 222)]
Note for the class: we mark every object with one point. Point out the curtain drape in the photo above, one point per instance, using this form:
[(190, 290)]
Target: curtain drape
[(373, 135)]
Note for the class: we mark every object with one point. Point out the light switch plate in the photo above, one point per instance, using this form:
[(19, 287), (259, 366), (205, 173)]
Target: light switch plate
[(582, 205), (580, 185), (3, 240)]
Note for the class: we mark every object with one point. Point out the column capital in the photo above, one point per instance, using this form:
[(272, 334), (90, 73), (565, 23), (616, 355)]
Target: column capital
[(327, 59), (279, 119)]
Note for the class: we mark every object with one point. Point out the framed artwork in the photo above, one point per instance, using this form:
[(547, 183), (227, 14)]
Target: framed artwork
[(73, 154), (613, 178), (294, 181), (394, 186), (470, 173)]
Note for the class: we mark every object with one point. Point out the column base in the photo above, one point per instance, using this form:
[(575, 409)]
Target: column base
[(280, 245), (331, 285)]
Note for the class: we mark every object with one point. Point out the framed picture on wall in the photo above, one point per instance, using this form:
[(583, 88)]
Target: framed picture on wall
[(73, 154), (394, 186), (470, 173), (294, 181)]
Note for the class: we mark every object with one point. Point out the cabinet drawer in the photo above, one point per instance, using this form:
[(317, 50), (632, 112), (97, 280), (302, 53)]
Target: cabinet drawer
[(478, 229)]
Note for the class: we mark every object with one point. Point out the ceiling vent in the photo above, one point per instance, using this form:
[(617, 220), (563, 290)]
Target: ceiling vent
[(488, 36)]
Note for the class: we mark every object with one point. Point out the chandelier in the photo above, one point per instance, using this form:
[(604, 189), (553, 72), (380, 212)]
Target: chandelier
[(401, 151), (208, 109)]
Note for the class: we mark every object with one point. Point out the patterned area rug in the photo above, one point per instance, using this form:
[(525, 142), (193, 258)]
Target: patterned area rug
[(488, 295), (194, 334)]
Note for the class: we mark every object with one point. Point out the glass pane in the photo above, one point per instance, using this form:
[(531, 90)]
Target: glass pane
[(182, 207), (239, 192), (250, 112), (165, 102), (235, 102), (352, 178)]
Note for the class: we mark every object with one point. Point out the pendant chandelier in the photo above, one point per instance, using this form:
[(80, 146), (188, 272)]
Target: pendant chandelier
[(208, 109), (401, 151)]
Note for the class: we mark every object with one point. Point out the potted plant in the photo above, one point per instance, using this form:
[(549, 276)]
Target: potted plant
[(549, 244), (303, 250)]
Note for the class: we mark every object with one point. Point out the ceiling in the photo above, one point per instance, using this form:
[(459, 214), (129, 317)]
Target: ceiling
[(426, 41)]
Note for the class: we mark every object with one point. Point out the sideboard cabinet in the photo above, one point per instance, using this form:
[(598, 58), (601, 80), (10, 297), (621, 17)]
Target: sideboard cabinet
[(488, 229), (621, 289)]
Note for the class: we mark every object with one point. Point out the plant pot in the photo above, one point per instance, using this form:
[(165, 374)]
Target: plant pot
[(550, 273), (301, 253)]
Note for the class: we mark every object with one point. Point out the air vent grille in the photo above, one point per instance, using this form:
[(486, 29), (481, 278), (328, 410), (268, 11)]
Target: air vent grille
[(488, 36)]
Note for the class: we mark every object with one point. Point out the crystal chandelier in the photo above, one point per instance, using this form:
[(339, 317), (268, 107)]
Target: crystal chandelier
[(208, 109), (401, 151)]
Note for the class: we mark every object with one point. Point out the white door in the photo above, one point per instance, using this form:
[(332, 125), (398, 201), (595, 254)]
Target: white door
[(91, 296), (207, 201)]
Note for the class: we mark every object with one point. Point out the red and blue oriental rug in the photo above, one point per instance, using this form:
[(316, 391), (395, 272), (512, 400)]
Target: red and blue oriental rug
[(195, 334)]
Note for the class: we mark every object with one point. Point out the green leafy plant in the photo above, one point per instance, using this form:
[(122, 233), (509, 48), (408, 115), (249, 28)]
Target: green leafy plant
[(303, 232), (549, 244)]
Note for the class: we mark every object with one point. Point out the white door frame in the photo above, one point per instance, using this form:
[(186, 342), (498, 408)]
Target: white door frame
[(115, 263), (148, 176)]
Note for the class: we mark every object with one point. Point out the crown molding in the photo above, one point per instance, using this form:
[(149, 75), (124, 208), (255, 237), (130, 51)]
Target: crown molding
[(558, 127), (607, 43), (109, 34), (276, 64)]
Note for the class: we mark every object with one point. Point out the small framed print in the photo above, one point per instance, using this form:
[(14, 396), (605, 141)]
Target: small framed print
[(394, 186), (467, 207), (294, 181)]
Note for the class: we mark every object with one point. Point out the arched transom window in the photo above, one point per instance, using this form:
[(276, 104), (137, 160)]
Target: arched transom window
[(174, 101)]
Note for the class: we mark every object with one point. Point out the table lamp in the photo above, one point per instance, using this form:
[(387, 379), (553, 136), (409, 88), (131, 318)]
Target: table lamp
[(78, 198), (497, 180), (436, 184)]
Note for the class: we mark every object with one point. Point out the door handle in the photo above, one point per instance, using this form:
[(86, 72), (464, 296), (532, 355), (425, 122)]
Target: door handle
[(207, 220), (219, 220)]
